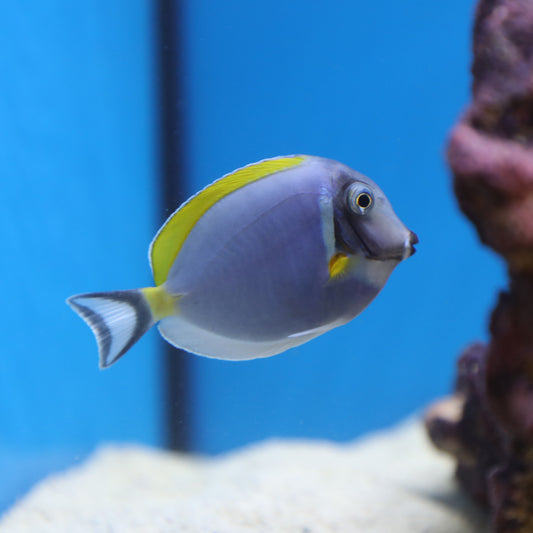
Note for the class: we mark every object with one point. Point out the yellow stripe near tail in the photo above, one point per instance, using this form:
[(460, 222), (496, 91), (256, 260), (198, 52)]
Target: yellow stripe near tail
[(162, 304)]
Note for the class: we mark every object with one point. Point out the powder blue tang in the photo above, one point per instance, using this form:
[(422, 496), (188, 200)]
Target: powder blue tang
[(262, 260)]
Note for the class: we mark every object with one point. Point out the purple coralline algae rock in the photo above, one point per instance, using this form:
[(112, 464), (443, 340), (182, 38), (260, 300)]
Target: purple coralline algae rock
[(488, 423)]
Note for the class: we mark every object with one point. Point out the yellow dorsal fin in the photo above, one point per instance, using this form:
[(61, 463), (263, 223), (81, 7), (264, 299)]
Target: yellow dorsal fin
[(170, 238)]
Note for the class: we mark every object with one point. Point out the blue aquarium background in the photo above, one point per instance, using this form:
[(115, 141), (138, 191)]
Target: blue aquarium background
[(84, 183)]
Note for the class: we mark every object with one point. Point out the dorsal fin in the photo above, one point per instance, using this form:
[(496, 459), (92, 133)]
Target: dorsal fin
[(170, 238)]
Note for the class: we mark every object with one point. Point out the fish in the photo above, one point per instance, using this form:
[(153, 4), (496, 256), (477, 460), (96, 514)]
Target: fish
[(262, 260)]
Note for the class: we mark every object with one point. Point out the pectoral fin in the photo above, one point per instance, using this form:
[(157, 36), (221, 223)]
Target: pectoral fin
[(338, 265)]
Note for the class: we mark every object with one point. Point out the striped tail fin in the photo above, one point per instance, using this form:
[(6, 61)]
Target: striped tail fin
[(118, 320)]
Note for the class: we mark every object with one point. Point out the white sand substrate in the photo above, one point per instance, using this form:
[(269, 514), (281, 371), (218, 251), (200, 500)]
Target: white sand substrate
[(390, 482)]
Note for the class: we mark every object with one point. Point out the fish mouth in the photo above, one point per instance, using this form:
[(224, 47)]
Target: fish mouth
[(409, 245)]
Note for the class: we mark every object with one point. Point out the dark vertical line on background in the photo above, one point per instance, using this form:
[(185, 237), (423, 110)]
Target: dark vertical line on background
[(172, 156)]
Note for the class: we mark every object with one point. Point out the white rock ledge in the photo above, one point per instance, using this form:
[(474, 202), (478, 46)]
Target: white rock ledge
[(390, 482)]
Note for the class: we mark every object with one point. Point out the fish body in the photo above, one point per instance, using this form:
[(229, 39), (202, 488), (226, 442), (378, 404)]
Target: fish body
[(263, 259)]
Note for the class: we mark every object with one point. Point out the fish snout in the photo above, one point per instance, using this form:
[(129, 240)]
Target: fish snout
[(409, 246)]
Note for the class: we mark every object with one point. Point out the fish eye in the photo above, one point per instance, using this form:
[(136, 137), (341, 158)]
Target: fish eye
[(364, 200), (360, 200)]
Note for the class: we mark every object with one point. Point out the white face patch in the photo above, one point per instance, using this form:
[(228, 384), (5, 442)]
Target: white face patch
[(328, 225)]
